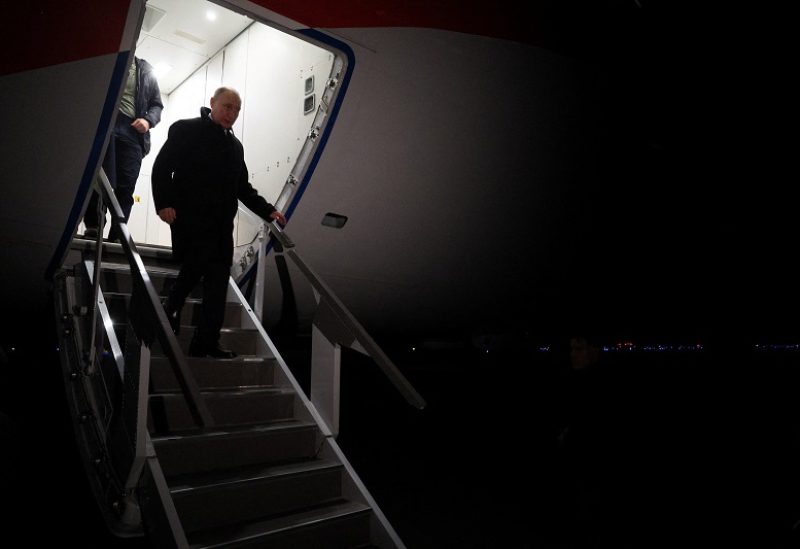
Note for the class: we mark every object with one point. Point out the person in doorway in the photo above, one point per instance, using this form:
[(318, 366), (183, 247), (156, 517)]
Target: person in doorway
[(198, 177), (139, 111)]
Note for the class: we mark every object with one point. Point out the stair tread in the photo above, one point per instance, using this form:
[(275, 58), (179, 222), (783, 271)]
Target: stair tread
[(252, 530), (212, 391), (244, 359), (191, 300), (116, 294), (240, 430), (126, 268), (242, 372), (203, 481), (145, 250), (148, 252), (248, 390), (240, 358), (224, 329)]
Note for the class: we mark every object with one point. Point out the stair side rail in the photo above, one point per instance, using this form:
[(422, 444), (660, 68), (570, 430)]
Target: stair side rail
[(148, 320), (358, 337), (147, 316), (333, 326)]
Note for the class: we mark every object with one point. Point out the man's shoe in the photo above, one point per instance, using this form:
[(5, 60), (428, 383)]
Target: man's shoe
[(219, 352), (114, 236), (213, 351)]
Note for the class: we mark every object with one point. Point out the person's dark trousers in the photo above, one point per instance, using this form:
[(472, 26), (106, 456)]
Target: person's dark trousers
[(215, 276), (92, 217), (122, 163)]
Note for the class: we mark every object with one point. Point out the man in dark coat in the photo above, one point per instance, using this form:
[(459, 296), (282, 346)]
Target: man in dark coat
[(139, 111), (198, 178)]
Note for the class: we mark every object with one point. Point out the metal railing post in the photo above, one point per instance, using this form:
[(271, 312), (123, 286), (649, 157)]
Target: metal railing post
[(326, 367), (340, 327), (258, 307), (150, 300)]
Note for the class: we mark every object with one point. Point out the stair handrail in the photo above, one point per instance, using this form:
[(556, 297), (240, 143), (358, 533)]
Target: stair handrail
[(148, 320), (342, 314), (144, 307)]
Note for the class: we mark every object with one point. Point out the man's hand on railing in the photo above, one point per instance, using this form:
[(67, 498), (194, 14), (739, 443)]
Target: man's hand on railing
[(275, 216)]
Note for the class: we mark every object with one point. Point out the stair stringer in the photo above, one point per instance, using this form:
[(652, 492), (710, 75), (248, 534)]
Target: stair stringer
[(381, 531)]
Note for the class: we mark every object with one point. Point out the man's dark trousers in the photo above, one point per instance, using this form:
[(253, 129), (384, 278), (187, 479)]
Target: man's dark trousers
[(122, 163), (215, 275)]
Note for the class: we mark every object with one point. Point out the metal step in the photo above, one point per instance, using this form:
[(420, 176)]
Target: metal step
[(118, 306), (213, 501), (234, 448), (257, 477), (152, 255), (213, 374), (339, 525), (242, 340), (169, 412), (116, 278)]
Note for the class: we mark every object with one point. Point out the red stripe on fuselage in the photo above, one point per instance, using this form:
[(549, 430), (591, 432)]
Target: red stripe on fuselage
[(52, 32), (509, 19)]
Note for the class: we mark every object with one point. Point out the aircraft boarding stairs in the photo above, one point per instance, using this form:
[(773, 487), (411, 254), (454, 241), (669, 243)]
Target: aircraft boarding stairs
[(197, 452)]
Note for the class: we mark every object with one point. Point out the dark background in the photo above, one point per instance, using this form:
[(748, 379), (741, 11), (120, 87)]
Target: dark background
[(701, 446), (683, 221)]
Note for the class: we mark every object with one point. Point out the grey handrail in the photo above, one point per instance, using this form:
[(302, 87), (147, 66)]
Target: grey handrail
[(346, 318), (142, 325)]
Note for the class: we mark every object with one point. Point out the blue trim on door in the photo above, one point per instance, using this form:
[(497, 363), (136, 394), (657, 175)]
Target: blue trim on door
[(334, 112)]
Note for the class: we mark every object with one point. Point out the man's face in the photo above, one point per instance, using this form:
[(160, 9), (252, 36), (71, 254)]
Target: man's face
[(225, 109)]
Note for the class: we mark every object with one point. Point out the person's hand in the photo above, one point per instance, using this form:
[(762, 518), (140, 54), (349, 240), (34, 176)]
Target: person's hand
[(141, 125), (278, 216), (167, 215)]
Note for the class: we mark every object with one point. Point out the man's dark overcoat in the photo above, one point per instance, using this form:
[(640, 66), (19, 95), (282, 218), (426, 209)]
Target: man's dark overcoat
[(201, 173)]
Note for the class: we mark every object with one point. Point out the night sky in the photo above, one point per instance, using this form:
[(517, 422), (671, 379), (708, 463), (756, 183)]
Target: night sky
[(684, 222)]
